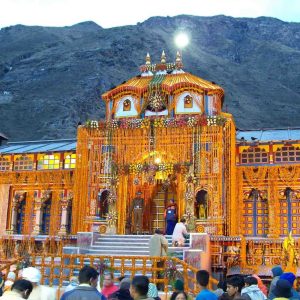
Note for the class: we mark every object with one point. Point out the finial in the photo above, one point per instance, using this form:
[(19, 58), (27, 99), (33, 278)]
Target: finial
[(163, 57), (178, 57), (148, 59)]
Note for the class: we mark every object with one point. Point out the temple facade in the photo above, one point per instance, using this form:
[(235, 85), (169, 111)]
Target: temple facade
[(165, 135)]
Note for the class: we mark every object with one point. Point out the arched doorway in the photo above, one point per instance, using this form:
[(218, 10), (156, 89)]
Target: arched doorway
[(103, 203), (46, 216), (201, 204), (21, 214)]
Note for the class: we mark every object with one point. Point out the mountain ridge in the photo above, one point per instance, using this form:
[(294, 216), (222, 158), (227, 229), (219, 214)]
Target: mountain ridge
[(51, 78)]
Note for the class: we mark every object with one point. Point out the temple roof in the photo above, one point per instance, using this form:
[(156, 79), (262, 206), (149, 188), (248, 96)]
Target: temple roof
[(169, 83), (268, 135), (38, 146)]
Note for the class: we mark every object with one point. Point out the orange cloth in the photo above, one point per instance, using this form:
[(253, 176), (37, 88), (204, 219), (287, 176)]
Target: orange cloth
[(261, 285)]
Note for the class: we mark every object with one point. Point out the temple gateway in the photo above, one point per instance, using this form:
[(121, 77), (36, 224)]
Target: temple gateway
[(165, 137)]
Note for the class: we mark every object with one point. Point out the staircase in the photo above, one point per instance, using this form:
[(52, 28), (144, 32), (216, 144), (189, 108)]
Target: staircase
[(129, 245)]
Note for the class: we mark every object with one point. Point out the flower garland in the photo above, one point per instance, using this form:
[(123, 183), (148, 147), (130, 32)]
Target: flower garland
[(137, 168), (112, 218), (161, 122)]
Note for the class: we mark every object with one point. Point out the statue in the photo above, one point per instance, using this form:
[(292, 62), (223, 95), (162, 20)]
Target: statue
[(202, 211), (290, 254)]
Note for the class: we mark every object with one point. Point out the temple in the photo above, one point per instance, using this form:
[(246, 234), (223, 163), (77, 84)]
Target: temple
[(165, 135)]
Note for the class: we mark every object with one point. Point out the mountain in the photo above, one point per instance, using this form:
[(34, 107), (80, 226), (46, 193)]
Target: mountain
[(52, 78)]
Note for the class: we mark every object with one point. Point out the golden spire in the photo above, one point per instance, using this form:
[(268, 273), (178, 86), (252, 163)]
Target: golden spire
[(148, 59), (163, 57), (178, 57)]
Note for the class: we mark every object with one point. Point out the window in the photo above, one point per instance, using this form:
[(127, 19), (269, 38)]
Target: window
[(48, 162), (188, 101), (255, 212), (287, 154), (254, 155), (70, 161), (289, 213), (4, 164), (23, 163), (127, 105)]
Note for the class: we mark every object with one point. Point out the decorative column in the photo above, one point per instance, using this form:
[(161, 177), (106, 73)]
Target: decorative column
[(38, 202), (65, 202), (273, 205), (189, 196)]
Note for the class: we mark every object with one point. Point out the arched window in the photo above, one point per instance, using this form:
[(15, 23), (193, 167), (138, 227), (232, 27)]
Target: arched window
[(102, 208), (4, 164), (254, 155), (48, 162), (127, 105), (287, 154), (70, 161), (201, 204), (23, 163), (188, 101)]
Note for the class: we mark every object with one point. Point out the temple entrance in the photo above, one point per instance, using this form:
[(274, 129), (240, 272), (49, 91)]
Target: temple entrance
[(158, 207)]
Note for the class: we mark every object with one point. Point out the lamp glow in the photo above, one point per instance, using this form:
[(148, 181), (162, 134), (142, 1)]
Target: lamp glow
[(157, 160), (181, 40)]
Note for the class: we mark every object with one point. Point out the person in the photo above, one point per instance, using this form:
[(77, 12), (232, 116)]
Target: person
[(261, 285), (139, 287), (276, 272), (290, 277), (123, 292), (202, 277), (158, 246), (234, 286), (72, 285), (251, 290), (181, 296), (20, 289), (152, 291), (88, 278), (10, 279), (137, 208), (179, 233), (221, 288), (178, 287), (1, 283), (108, 285), (283, 290), (170, 215), (39, 291)]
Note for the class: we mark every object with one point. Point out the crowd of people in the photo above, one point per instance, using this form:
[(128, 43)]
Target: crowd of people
[(251, 287), (86, 287)]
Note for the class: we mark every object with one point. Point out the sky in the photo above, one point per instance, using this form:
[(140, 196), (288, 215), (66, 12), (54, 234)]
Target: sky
[(112, 13)]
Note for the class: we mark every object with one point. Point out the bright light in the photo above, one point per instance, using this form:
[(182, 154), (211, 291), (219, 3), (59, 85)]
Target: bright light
[(181, 40), (157, 160)]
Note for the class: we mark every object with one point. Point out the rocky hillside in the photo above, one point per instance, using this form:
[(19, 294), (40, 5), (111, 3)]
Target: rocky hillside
[(52, 78)]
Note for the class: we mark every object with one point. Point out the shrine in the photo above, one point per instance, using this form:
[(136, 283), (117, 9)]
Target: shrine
[(165, 137)]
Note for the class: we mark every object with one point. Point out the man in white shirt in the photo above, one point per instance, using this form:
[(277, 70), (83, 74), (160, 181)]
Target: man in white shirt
[(179, 233)]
